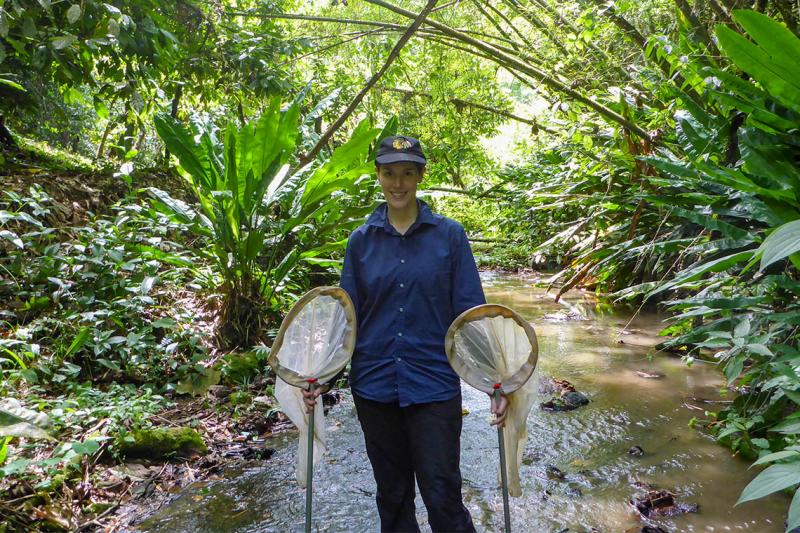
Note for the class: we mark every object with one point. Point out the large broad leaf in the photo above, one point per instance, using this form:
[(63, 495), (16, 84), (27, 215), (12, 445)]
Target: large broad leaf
[(775, 38), (18, 421), (793, 520), (195, 158), (775, 74), (773, 479), (329, 177), (781, 243)]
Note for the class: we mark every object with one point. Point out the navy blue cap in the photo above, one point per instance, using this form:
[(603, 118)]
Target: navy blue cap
[(399, 149)]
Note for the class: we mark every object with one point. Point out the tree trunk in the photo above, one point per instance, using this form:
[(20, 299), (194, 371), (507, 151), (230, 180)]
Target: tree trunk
[(6, 139), (176, 100)]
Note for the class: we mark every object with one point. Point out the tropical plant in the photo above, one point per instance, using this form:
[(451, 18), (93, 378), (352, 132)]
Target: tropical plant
[(257, 211)]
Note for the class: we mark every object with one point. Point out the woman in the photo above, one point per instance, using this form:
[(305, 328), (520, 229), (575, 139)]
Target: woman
[(409, 272)]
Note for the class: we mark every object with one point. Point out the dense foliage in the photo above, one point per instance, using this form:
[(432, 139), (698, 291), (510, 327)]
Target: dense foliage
[(647, 149)]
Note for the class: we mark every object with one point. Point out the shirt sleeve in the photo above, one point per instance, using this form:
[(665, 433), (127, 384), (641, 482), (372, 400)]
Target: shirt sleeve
[(348, 280), (466, 290)]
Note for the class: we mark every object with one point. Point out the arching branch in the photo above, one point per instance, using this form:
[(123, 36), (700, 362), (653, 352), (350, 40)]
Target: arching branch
[(418, 19), (511, 62)]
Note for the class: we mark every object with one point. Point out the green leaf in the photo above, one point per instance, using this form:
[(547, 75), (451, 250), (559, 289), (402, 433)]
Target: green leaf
[(73, 13), (788, 427), (775, 38), (78, 342), (792, 395), (777, 456), (793, 520), (772, 74), (18, 421), (100, 108), (181, 209), (59, 43), (773, 479), (196, 159), (696, 272), (4, 449), (781, 243), (11, 236), (147, 284), (13, 85)]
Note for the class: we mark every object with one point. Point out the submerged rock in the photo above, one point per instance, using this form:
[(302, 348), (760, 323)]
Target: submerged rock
[(156, 443), (661, 503), (568, 402), (636, 451), (646, 529), (568, 398), (649, 375), (554, 472)]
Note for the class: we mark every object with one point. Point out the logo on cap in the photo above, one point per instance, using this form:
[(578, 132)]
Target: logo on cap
[(401, 144)]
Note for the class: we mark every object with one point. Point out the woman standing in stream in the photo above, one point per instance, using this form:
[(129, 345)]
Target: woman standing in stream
[(410, 272)]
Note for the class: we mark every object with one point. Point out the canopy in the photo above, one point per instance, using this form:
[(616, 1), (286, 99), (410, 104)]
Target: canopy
[(490, 346), (315, 341)]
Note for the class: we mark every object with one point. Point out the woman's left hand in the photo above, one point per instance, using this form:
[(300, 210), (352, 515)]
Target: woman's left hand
[(500, 411)]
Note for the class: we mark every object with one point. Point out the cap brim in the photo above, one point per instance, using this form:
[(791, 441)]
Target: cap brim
[(399, 158)]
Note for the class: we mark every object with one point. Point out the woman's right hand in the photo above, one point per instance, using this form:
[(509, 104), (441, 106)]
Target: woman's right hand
[(310, 398)]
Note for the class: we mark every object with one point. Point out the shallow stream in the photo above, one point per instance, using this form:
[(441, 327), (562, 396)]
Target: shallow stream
[(599, 352)]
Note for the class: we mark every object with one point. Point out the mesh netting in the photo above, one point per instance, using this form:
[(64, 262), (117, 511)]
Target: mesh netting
[(315, 341), (491, 345)]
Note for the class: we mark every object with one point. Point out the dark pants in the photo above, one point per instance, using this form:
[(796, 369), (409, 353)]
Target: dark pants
[(421, 441)]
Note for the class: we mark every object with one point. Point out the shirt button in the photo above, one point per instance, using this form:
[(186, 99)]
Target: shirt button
[(402, 260), (402, 285), (398, 359), (399, 333), (401, 309)]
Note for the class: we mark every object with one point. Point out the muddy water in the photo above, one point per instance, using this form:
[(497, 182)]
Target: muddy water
[(600, 352)]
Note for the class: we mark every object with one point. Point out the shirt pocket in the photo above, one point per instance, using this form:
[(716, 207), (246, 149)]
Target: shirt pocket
[(436, 303)]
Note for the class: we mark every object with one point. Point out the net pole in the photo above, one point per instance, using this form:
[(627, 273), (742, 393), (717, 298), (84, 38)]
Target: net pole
[(503, 474), (310, 458)]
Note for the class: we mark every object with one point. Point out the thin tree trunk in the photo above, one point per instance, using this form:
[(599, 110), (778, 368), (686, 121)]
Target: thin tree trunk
[(720, 11), (499, 13), (536, 22), (176, 100), (418, 19), (697, 26), (511, 62), (6, 139)]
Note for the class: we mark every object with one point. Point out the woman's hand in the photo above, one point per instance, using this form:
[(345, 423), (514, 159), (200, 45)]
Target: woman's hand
[(310, 399), (500, 410)]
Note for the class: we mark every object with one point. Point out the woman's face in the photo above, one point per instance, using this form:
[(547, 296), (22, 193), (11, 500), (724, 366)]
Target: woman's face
[(398, 183)]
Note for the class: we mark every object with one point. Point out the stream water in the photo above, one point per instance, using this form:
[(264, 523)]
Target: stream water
[(599, 352)]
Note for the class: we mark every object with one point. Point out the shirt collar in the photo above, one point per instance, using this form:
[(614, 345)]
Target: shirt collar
[(380, 217)]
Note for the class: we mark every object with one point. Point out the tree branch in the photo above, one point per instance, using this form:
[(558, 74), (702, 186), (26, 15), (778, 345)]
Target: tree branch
[(511, 62), (467, 103), (418, 19)]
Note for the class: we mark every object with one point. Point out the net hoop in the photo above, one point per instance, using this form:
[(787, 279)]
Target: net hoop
[(294, 378), (477, 379)]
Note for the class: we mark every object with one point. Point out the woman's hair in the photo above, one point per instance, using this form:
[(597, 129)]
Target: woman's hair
[(420, 167)]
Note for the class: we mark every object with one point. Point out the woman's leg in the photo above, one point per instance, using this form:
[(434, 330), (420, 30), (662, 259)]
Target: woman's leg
[(435, 436), (390, 455)]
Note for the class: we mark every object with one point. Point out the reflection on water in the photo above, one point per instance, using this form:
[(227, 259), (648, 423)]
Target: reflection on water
[(590, 445)]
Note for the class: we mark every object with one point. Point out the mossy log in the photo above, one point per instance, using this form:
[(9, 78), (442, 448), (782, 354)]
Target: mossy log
[(157, 443)]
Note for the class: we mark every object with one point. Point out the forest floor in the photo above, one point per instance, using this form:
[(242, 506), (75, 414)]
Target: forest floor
[(103, 490)]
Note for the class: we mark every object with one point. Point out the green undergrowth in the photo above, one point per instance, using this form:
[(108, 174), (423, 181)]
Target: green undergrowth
[(104, 324)]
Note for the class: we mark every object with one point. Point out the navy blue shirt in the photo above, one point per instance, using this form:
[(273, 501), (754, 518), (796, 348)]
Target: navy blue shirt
[(407, 289)]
